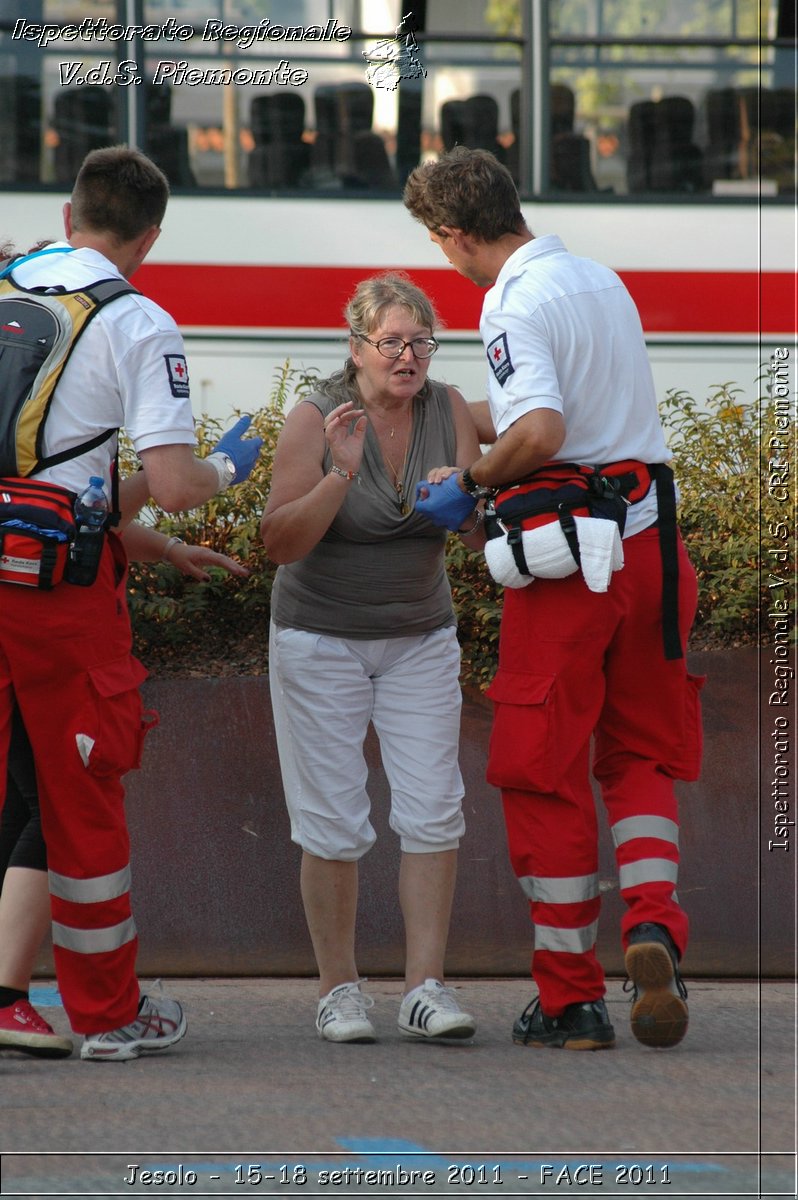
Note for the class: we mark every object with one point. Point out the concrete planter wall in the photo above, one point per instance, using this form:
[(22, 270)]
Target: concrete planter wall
[(216, 887)]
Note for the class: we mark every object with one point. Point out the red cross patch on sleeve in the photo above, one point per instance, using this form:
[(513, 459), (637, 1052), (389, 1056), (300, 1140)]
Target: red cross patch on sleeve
[(177, 372), (498, 353)]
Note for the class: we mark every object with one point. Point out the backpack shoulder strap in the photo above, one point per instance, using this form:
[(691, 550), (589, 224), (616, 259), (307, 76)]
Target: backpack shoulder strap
[(99, 294)]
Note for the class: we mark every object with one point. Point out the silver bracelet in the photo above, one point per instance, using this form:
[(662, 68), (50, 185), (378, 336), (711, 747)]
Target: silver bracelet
[(478, 519), (173, 541), (348, 475)]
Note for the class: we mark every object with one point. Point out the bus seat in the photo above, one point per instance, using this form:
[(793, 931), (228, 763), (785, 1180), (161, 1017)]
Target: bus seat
[(168, 148), (473, 123), (767, 134), (722, 154), (677, 164), (662, 155), (640, 128), (167, 144), (569, 163), (562, 108), (84, 120), (279, 157), (343, 110), (20, 129), (370, 167)]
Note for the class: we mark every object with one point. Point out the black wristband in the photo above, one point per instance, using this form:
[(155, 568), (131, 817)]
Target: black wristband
[(469, 483)]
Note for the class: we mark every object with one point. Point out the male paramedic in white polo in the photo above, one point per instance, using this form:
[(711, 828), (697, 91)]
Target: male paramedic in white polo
[(65, 654), (569, 382)]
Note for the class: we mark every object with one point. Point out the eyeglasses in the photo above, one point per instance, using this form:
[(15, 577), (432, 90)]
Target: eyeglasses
[(394, 347)]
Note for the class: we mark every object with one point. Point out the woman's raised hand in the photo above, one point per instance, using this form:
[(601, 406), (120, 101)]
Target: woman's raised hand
[(345, 431)]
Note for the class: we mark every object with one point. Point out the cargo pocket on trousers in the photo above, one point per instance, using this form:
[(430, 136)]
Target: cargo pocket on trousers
[(686, 761), (121, 722), (522, 751)]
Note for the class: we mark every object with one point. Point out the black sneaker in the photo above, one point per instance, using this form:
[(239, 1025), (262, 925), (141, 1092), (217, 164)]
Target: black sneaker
[(659, 1011), (581, 1026)]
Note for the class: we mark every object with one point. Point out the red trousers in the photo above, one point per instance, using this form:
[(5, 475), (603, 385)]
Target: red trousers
[(66, 655), (576, 665)]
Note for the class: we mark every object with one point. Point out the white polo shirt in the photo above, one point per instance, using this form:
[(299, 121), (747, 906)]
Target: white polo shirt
[(128, 369), (563, 332)]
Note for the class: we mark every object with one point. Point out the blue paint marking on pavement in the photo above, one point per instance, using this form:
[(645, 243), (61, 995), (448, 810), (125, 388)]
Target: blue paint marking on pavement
[(371, 1154), (382, 1146), (46, 997), (377, 1148)]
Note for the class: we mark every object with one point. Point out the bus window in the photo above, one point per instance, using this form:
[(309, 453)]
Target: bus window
[(602, 99), (694, 99)]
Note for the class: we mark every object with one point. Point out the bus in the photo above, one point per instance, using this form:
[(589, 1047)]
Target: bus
[(657, 136)]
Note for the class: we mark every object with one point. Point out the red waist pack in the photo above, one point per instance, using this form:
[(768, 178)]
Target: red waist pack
[(37, 528), (562, 491)]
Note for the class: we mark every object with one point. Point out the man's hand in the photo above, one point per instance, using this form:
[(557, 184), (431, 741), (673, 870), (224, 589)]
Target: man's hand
[(242, 452), (445, 504), (195, 561)]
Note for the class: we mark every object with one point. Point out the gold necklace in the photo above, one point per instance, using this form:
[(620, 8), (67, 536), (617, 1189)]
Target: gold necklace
[(399, 475), (399, 479)]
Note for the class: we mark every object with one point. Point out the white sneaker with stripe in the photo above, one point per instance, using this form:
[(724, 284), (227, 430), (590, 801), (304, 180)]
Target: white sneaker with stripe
[(431, 1011), (342, 1016), (159, 1023)]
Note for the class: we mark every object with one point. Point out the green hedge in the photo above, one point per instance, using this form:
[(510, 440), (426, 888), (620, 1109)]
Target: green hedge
[(721, 463)]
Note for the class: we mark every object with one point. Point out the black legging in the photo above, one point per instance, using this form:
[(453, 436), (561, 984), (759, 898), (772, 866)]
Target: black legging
[(21, 839)]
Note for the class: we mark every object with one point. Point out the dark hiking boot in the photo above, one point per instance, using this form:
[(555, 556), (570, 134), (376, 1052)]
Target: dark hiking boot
[(659, 1012), (581, 1026)]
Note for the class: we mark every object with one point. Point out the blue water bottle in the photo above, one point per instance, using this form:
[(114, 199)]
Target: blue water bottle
[(91, 514)]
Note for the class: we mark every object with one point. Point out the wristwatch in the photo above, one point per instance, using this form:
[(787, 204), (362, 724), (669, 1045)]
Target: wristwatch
[(225, 467), (229, 467)]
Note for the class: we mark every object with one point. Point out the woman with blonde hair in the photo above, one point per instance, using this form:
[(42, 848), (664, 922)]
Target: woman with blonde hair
[(363, 630)]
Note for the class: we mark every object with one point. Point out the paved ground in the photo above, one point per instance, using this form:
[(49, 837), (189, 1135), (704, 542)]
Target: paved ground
[(252, 1103)]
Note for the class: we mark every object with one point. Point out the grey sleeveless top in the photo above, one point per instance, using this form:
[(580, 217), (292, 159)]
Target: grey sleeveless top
[(375, 573)]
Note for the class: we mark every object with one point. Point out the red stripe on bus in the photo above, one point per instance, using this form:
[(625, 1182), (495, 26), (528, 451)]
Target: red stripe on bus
[(714, 301), (305, 298)]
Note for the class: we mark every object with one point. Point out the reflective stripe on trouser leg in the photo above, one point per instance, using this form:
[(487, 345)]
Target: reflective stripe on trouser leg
[(648, 870), (90, 891), (558, 832), (565, 919), (94, 934), (96, 940), (93, 941), (552, 646), (647, 856), (567, 890), (652, 882), (566, 941), (645, 827), (641, 747), (98, 891), (553, 841), (78, 676), (564, 912)]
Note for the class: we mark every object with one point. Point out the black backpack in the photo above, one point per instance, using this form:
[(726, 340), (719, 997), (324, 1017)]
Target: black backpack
[(38, 331)]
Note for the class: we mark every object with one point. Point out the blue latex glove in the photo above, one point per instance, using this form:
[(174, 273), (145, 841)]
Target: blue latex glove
[(243, 451), (447, 504)]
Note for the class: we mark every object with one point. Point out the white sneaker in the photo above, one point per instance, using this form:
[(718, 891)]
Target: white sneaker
[(431, 1011), (159, 1023), (342, 1015)]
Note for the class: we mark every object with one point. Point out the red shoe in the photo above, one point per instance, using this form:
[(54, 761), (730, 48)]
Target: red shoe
[(22, 1028)]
